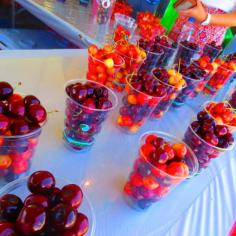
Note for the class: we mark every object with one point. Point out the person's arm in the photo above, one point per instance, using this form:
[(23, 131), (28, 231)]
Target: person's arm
[(200, 14)]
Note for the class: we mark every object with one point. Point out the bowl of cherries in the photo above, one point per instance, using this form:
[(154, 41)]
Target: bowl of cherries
[(41, 205), (21, 121)]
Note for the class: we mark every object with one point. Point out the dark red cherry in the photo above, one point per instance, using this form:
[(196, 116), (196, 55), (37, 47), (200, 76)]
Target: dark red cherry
[(37, 199), (202, 115), (4, 124), (90, 104), (195, 126), (19, 127), (7, 229), (37, 113), (6, 90), (15, 97), (221, 130), (41, 182), (104, 104), (81, 226), (72, 195), (2, 107), (31, 220), (229, 138), (16, 109), (54, 196), (63, 217), (31, 100), (10, 207), (211, 138)]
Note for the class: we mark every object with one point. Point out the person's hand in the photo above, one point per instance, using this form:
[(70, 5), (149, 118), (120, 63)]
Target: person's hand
[(198, 12)]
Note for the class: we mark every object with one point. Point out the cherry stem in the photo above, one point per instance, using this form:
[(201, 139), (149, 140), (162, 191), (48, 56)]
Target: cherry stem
[(179, 65), (53, 111), (17, 86)]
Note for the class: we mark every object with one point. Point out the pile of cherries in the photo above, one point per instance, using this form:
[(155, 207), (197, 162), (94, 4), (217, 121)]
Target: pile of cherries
[(212, 50), (194, 76), (103, 64), (222, 113), (149, 25), (134, 56), (143, 93), (87, 106), (173, 83), (121, 7), (160, 166), (224, 70), (47, 211), (121, 33), (186, 52), (21, 117), (208, 139)]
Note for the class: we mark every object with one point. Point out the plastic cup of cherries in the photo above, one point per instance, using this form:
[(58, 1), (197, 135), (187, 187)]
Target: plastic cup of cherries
[(21, 121), (87, 106), (207, 139), (45, 206), (163, 162), (222, 113)]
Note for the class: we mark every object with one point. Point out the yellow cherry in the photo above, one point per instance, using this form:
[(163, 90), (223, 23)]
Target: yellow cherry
[(109, 63)]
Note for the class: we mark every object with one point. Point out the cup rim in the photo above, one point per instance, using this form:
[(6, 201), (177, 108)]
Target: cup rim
[(154, 53), (161, 134), (169, 85), (169, 40), (205, 108), (119, 16), (115, 65), (194, 50), (16, 183), (94, 82), (123, 55), (208, 144), (128, 77)]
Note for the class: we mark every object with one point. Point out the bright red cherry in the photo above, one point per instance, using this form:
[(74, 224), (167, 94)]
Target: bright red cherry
[(37, 113), (63, 217), (6, 90), (16, 109), (72, 195), (7, 229), (31, 100), (81, 225), (31, 220), (41, 182), (10, 207), (37, 199), (19, 127), (178, 169), (4, 124), (14, 97)]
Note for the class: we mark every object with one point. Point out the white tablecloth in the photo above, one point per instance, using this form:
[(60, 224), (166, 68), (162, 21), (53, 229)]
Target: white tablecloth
[(203, 206)]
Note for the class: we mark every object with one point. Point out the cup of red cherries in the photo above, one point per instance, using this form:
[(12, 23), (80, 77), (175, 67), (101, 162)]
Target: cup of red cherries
[(163, 162), (207, 139), (21, 121), (41, 205), (87, 106)]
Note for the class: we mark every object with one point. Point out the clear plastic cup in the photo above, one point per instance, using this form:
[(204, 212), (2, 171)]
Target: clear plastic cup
[(211, 52), (127, 22), (102, 72), (152, 61), (148, 184), (218, 80), (82, 123), (19, 188), (169, 53), (16, 153), (136, 108), (104, 10), (232, 128), (231, 97), (185, 54), (171, 93), (131, 66), (203, 150)]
